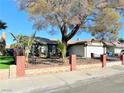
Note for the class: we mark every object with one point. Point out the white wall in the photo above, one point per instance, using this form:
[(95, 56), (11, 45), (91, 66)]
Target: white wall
[(97, 50), (118, 50), (82, 51), (97, 43), (78, 50)]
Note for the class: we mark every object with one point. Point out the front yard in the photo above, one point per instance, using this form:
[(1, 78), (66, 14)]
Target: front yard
[(6, 61), (35, 63)]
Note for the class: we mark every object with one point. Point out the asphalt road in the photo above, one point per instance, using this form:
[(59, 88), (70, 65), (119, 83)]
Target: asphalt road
[(113, 84)]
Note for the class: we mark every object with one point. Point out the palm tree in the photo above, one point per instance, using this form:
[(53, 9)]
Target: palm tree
[(22, 41), (2, 25)]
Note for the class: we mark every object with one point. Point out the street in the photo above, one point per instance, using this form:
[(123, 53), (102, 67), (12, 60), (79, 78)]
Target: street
[(112, 84)]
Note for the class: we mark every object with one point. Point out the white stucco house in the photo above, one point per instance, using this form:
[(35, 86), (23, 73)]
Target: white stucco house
[(84, 48)]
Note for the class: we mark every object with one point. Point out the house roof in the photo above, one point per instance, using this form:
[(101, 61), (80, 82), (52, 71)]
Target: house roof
[(45, 40), (118, 44), (108, 43), (88, 41)]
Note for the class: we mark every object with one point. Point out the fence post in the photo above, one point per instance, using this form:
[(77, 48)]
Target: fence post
[(104, 60), (72, 62), (122, 59), (20, 66)]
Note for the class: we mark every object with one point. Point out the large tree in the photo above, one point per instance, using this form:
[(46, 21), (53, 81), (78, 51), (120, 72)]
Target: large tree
[(71, 16)]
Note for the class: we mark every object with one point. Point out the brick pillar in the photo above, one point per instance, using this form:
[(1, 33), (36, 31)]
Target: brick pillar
[(20, 63), (122, 59), (104, 60), (72, 62), (92, 55)]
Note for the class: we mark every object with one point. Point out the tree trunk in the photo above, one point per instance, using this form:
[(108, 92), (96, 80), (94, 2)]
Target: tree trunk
[(64, 41), (65, 50), (67, 36)]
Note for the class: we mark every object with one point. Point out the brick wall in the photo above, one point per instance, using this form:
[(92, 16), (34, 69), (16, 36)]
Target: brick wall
[(47, 70), (19, 69)]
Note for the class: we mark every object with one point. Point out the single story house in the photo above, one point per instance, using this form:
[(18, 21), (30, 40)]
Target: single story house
[(116, 47), (43, 47), (84, 48)]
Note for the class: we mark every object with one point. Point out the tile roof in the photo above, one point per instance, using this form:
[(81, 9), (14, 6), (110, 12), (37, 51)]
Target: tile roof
[(86, 41), (42, 40), (118, 44), (45, 40)]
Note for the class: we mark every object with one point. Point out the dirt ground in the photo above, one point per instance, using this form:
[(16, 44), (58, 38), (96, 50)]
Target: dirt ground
[(43, 62)]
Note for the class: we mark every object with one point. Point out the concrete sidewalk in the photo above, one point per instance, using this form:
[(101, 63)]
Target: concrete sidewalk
[(51, 81)]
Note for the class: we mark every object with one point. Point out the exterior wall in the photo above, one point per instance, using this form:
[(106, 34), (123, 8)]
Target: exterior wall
[(85, 51), (97, 50), (46, 50), (77, 50), (118, 50), (97, 43)]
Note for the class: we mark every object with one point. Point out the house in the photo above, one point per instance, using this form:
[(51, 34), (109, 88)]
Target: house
[(84, 48), (116, 47), (44, 47), (41, 47)]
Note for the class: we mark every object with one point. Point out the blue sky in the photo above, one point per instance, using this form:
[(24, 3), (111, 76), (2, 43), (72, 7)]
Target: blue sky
[(18, 23)]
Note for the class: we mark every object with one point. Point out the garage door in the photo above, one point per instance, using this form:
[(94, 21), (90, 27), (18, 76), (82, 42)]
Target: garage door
[(78, 50), (97, 50)]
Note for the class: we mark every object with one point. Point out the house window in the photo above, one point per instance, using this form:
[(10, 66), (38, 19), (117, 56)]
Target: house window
[(42, 48), (52, 50)]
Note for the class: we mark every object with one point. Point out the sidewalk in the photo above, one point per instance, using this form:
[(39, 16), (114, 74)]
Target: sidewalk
[(43, 82)]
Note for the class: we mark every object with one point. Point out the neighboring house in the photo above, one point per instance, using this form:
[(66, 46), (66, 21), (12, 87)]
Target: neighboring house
[(116, 47), (84, 48), (43, 47)]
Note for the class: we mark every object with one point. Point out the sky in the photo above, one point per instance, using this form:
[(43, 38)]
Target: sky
[(18, 23)]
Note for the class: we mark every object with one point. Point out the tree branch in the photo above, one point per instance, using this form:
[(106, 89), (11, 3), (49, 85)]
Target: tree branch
[(73, 32), (64, 30), (58, 21), (76, 28)]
